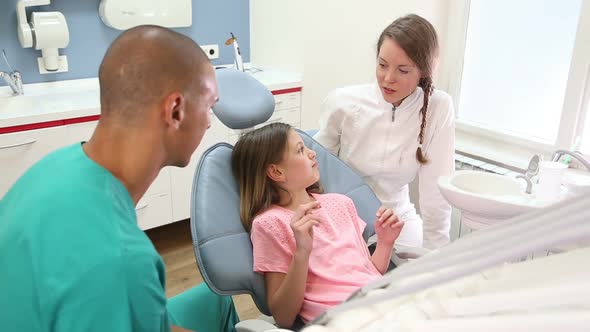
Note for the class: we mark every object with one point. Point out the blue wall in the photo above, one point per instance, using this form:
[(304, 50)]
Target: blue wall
[(89, 37)]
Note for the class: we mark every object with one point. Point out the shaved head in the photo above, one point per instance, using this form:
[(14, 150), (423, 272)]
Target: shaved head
[(143, 65)]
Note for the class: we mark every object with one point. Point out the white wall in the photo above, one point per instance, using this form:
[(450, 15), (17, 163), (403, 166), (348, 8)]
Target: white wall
[(332, 43)]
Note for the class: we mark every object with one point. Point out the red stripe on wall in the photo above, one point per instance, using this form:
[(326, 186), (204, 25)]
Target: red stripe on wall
[(82, 119), (31, 126), (48, 124), (280, 92)]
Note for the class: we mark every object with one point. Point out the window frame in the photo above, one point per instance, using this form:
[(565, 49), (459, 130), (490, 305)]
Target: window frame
[(514, 150)]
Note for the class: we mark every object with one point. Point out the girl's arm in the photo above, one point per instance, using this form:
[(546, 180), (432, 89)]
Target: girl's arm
[(382, 256), (285, 291), (387, 227)]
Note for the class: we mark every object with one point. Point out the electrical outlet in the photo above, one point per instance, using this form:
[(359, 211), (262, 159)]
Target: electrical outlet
[(212, 51)]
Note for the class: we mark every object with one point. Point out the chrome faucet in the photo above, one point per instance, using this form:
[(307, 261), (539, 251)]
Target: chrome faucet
[(576, 154), (531, 171), (13, 79), (529, 183)]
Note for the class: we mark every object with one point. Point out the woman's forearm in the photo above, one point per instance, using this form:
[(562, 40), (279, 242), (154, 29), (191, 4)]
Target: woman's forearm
[(285, 303), (382, 256)]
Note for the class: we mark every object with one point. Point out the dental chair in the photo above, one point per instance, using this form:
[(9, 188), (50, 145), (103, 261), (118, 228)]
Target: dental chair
[(222, 247)]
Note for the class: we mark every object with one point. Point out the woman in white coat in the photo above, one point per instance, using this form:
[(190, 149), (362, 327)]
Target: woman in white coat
[(397, 128)]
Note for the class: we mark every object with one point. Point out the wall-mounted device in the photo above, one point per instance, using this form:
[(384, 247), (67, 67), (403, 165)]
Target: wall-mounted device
[(126, 14), (46, 31)]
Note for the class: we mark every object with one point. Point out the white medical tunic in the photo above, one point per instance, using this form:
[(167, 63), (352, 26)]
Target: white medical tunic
[(380, 143)]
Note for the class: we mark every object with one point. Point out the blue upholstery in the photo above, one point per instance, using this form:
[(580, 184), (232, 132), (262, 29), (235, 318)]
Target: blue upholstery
[(243, 101)]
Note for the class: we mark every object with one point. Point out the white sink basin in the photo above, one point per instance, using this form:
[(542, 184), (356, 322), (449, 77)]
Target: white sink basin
[(19, 104), (48, 103), (486, 198)]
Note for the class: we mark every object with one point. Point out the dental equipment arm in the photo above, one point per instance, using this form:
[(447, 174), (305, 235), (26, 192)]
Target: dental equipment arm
[(562, 224)]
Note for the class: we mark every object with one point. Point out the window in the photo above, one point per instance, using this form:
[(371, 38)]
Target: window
[(523, 81), (516, 65)]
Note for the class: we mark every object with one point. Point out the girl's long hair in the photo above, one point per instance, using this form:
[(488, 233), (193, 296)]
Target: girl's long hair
[(251, 156)]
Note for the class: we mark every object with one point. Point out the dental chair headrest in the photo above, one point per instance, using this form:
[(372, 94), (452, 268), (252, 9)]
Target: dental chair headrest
[(244, 102)]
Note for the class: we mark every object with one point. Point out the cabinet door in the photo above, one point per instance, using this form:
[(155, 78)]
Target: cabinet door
[(182, 178), (154, 210), (20, 150)]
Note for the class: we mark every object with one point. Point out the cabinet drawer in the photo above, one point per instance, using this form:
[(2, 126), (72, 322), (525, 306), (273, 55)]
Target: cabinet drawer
[(287, 100), (20, 150), (153, 211), (290, 116)]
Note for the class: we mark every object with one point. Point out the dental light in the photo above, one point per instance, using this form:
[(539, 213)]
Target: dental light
[(47, 31), (126, 14)]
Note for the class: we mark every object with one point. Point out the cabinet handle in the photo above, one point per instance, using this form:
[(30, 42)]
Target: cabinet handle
[(18, 144), (278, 102), (141, 207)]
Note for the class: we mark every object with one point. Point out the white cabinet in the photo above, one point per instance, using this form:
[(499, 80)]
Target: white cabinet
[(20, 150), (154, 210)]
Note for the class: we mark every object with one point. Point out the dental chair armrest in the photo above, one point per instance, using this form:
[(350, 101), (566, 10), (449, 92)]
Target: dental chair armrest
[(256, 325), (404, 254)]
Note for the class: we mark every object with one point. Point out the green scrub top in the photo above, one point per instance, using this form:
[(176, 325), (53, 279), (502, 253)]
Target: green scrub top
[(72, 257)]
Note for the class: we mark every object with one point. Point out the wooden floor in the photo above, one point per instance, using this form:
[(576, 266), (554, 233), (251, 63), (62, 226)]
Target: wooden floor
[(174, 244)]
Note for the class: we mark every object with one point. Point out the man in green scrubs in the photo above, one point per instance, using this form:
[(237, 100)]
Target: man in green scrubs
[(72, 257)]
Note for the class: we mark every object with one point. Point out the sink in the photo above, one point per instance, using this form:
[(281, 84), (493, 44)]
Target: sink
[(48, 104), (19, 104), (486, 198)]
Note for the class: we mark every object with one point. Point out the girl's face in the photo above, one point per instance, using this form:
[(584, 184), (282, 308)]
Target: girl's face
[(299, 168), (397, 74)]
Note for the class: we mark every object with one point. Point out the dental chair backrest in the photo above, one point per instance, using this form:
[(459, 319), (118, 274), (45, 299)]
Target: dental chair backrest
[(222, 247)]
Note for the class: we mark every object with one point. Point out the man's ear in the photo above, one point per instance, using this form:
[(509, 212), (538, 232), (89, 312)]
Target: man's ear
[(174, 109), (275, 173)]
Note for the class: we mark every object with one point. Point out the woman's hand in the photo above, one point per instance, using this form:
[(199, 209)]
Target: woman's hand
[(302, 224), (388, 226)]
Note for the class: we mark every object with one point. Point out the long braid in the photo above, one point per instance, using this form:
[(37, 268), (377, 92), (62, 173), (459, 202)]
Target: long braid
[(426, 85)]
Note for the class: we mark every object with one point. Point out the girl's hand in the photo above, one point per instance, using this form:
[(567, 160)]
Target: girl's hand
[(388, 226), (302, 225)]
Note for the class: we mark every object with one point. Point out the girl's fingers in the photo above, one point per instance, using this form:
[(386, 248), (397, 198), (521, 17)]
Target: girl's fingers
[(398, 224), (380, 211), (305, 209), (386, 214), (390, 221), (303, 221)]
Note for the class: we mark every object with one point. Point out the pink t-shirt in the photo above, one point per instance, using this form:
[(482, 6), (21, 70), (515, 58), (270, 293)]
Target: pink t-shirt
[(339, 263)]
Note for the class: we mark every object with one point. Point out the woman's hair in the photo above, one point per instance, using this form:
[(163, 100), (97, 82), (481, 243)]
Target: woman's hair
[(252, 155), (417, 37)]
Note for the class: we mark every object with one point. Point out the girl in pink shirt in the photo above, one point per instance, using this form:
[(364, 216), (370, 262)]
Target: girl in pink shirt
[(308, 245)]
